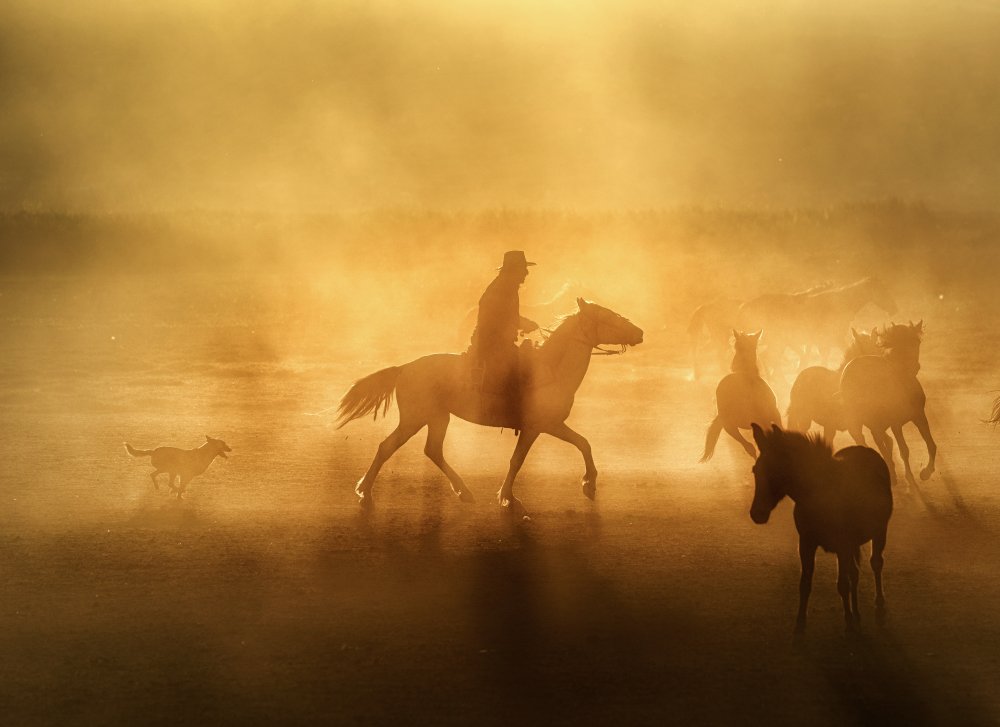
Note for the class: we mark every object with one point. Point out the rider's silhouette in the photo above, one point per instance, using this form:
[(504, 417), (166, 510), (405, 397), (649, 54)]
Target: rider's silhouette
[(494, 342)]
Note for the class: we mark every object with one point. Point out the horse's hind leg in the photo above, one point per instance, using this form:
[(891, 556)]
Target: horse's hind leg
[(807, 556), (925, 431), (399, 436), (877, 561), (153, 478), (734, 432), (847, 579), (506, 494), (564, 432), (884, 443), (904, 452), (434, 448)]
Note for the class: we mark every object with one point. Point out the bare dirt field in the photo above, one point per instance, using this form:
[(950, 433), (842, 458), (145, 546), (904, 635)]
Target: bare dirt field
[(267, 597)]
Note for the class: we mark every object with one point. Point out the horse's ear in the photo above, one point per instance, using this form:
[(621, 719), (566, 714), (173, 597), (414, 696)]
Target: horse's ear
[(580, 302), (775, 429), (758, 436), (854, 333), (208, 438), (757, 335), (920, 325), (736, 334)]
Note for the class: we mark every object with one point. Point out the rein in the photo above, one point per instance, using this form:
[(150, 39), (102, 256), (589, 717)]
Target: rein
[(546, 332)]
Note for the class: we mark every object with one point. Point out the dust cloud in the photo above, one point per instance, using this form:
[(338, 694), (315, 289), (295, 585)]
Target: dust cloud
[(215, 217)]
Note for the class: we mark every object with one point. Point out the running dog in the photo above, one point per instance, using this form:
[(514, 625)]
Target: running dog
[(184, 464)]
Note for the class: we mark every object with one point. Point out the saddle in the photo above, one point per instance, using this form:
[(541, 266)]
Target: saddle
[(500, 398)]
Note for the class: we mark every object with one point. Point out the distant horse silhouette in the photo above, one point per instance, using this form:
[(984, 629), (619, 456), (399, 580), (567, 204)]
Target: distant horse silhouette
[(818, 317), (708, 332), (882, 393), (742, 397), (430, 389), (814, 395), (542, 313), (842, 501)]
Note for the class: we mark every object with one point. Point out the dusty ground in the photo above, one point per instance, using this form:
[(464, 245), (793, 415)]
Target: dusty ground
[(266, 597)]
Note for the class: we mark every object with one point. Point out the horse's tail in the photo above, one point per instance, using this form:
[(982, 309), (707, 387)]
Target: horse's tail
[(367, 395), (137, 452), (711, 438)]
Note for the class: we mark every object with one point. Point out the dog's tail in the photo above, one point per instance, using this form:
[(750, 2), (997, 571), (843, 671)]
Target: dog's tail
[(367, 395), (137, 452)]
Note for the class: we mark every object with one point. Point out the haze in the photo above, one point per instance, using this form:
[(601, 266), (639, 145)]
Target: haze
[(311, 106)]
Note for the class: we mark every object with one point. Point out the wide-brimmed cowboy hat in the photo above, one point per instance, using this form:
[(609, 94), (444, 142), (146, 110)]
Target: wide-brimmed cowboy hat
[(514, 259)]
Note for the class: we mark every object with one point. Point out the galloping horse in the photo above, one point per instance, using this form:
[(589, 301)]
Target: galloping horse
[(429, 389), (882, 392), (842, 501), (742, 397), (818, 317), (814, 394)]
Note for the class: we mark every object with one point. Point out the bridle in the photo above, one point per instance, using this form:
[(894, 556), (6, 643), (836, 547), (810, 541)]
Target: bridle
[(584, 338)]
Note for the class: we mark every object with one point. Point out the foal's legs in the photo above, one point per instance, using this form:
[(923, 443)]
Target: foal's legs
[(434, 448), (807, 556), (904, 452), (400, 435), (877, 561), (925, 431), (847, 585), (506, 494), (563, 432)]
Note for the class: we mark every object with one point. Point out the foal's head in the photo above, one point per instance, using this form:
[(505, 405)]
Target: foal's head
[(783, 460)]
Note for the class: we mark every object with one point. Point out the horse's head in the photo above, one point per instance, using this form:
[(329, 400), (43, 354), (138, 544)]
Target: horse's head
[(863, 344), (745, 344), (602, 326), (769, 475), (903, 342)]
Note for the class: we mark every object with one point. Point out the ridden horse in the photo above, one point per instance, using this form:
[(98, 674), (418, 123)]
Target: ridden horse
[(842, 501), (430, 389), (708, 332), (817, 317), (814, 394), (742, 397), (882, 392)]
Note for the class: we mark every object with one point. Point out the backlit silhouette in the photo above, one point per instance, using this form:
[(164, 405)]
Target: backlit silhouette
[(543, 312), (842, 501), (814, 396), (708, 333), (430, 389), (742, 397), (817, 318), (882, 393), (181, 464)]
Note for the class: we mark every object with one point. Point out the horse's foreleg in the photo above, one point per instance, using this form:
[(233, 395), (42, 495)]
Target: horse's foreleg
[(564, 432), (877, 561), (904, 452), (734, 432), (153, 478), (400, 435), (925, 431), (434, 449), (506, 494), (807, 556), (884, 443)]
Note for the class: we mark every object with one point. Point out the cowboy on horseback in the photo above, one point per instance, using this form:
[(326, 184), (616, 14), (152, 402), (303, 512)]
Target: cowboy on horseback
[(493, 349)]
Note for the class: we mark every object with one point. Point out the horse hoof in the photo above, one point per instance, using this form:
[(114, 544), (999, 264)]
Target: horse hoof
[(589, 489), (513, 507), (465, 496), (926, 472), (365, 500)]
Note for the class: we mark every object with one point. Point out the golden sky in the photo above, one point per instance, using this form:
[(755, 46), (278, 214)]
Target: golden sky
[(292, 106)]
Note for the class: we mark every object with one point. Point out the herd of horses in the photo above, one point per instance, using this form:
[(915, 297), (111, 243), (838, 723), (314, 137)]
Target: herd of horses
[(842, 500)]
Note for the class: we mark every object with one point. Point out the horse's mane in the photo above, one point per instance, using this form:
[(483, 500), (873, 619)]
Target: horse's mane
[(995, 416), (808, 449), (898, 335)]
